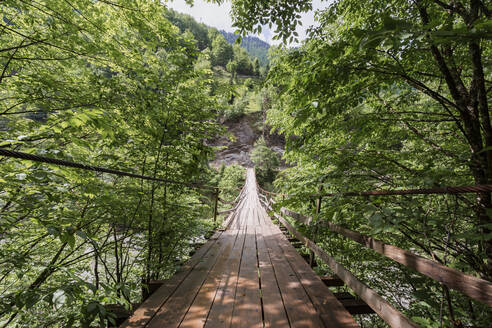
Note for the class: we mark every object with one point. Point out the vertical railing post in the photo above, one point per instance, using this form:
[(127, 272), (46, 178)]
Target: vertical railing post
[(315, 230), (216, 203)]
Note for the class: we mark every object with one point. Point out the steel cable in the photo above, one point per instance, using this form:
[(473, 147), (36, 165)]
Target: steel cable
[(43, 159)]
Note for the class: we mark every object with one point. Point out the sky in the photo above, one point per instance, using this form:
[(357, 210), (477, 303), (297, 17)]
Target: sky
[(218, 16)]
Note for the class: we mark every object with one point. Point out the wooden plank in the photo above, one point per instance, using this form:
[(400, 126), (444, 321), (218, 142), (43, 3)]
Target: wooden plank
[(235, 222), (386, 311), (220, 313), (142, 315), (331, 310), (300, 310), (198, 311), (241, 222), (273, 305), (173, 311), (264, 221), (475, 288), (247, 302)]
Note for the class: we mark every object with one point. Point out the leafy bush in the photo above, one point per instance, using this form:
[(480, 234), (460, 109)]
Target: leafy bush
[(237, 109), (231, 179), (267, 162)]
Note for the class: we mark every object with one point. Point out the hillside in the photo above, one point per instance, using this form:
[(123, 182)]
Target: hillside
[(205, 35), (253, 45), (237, 70)]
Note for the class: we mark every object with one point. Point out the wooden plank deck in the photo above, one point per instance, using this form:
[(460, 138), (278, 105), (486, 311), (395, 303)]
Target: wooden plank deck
[(247, 276)]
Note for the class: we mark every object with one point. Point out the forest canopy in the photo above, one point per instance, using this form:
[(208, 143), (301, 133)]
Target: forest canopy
[(111, 84), (390, 96)]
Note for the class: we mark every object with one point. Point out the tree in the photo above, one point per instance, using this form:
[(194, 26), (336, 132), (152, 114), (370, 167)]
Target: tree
[(187, 23), (222, 51), (266, 162), (255, 47), (243, 60), (115, 86), (256, 67), (232, 68), (392, 97)]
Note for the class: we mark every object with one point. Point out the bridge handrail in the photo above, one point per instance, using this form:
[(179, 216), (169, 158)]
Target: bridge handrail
[(385, 310), (43, 159), (475, 288)]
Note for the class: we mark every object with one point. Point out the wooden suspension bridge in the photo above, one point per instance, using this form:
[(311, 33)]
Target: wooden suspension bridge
[(249, 274)]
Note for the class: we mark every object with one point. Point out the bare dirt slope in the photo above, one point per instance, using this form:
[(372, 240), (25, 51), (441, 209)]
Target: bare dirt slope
[(236, 146)]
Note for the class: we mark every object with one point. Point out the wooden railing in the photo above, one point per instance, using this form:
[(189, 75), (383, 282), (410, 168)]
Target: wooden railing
[(475, 288)]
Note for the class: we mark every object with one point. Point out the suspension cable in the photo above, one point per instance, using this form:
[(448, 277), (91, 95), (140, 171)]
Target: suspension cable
[(43, 159)]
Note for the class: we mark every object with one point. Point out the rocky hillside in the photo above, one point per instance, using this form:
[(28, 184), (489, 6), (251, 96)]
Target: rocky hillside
[(243, 132)]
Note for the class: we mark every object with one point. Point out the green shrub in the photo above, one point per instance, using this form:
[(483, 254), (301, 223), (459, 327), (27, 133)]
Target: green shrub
[(231, 180), (266, 161), (237, 109)]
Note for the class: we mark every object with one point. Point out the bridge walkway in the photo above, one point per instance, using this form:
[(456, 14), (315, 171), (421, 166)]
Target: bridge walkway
[(248, 275)]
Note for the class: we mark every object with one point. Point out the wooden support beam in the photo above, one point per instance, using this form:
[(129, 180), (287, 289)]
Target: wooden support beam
[(308, 259), (150, 287), (352, 304), (226, 211), (475, 288), (155, 285), (385, 310), (344, 296)]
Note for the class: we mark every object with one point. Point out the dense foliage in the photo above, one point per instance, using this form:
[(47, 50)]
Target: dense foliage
[(206, 36), (380, 96), (232, 65), (266, 161), (391, 96), (231, 179), (108, 84)]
